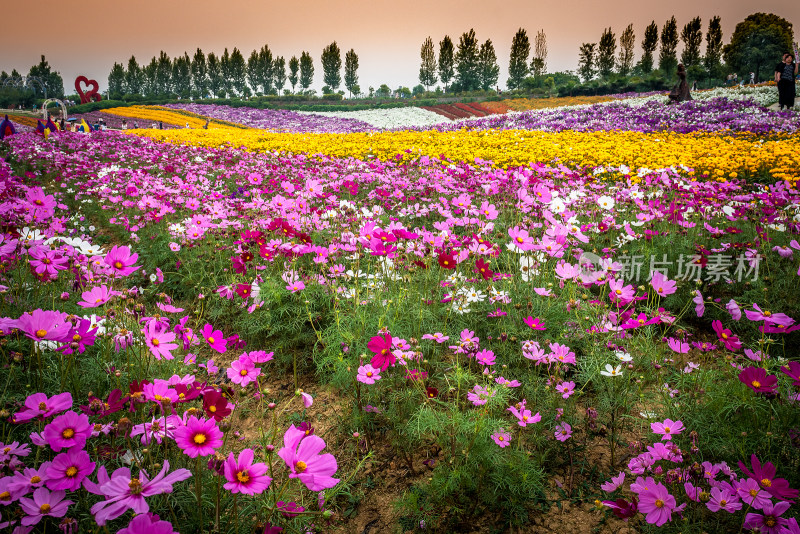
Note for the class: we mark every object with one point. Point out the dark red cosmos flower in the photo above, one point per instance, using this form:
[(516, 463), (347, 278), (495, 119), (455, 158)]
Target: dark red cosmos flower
[(793, 372), (215, 405), (246, 256), (765, 476), (622, 508), (190, 392), (114, 403), (483, 269), (431, 392), (758, 380), (243, 290), (382, 348), (239, 266), (446, 261)]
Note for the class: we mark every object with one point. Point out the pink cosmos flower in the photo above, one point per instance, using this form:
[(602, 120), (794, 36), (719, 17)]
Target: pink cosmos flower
[(124, 491), (25, 481), (503, 439), (243, 371), (68, 430), (214, 338), (563, 432), (734, 310), (368, 374), (148, 523), (46, 263), (158, 341), (485, 357), (723, 499), (301, 454), (43, 504), (615, 483), (80, 336), (523, 415), (678, 346), (121, 261), (620, 293), (566, 389), (198, 437), (244, 476), (97, 296), (700, 305), (296, 287), (39, 406), (381, 347), (752, 494), (68, 470), (662, 284), (40, 325), (667, 428), (768, 316), (437, 337), (657, 504)]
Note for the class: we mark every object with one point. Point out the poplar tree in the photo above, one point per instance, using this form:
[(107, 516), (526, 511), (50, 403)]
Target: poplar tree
[(294, 69), (199, 73), (713, 58), (692, 37), (518, 60), (427, 68), (627, 40), (488, 69), (351, 71), (668, 57), (539, 61), (134, 78), (306, 70), (649, 45), (446, 60), (586, 58), (606, 50), (467, 74), (279, 73), (216, 83), (331, 66), (238, 72)]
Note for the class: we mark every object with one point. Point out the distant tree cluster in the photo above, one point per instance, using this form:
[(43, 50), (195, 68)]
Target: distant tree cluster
[(12, 94), (230, 75), (470, 66)]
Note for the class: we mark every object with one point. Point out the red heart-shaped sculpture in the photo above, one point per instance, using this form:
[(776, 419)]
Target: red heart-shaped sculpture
[(92, 94)]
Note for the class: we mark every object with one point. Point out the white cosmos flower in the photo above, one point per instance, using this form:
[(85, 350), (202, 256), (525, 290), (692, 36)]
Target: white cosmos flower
[(623, 356), (612, 371), (606, 202)]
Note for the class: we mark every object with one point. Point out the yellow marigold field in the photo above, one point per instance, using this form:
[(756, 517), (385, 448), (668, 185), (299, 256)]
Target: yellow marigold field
[(718, 155), (168, 116)]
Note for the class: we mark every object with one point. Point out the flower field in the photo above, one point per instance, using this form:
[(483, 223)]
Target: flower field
[(497, 323), (149, 114)]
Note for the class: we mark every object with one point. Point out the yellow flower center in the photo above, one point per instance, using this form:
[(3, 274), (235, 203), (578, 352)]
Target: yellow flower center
[(210, 340), (756, 384), (44, 509), (76, 338), (135, 486), (212, 409), (618, 292), (369, 374), (500, 438), (199, 439), (243, 477), (300, 466), (243, 372), (42, 406), (118, 264), (68, 433), (659, 503), (753, 492), (5, 496), (723, 503), (155, 342), (766, 482), (666, 430), (41, 333), (71, 471)]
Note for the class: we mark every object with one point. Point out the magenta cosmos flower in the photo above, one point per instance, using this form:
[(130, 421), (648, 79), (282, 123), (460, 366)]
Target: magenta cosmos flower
[(243, 371), (301, 454), (120, 261), (657, 504), (214, 338), (757, 379), (39, 405), (68, 430), (124, 491), (68, 470), (382, 348), (770, 522), (198, 437), (148, 524), (563, 432), (667, 428), (662, 284), (765, 476), (730, 341), (43, 504), (368, 374), (40, 325), (244, 476)]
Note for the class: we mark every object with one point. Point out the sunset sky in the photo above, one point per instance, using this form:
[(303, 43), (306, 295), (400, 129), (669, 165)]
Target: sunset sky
[(88, 37)]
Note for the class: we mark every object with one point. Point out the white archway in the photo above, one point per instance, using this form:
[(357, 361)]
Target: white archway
[(50, 101)]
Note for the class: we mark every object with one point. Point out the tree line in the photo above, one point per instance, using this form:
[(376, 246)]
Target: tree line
[(230, 75), (12, 94)]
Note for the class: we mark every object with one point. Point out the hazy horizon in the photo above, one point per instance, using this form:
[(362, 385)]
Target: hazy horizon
[(387, 44)]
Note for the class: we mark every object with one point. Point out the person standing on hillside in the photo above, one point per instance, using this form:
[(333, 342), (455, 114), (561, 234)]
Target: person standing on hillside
[(785, 71)]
